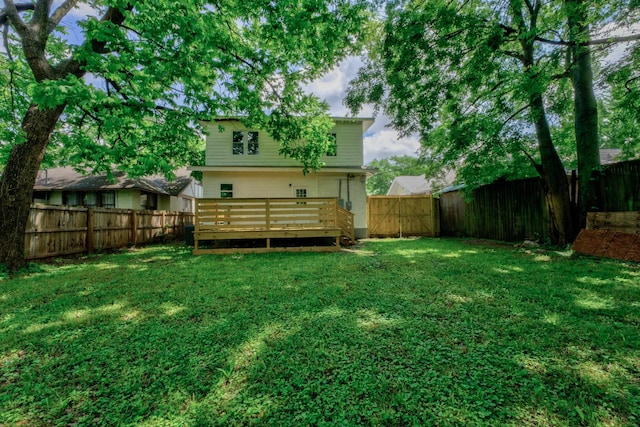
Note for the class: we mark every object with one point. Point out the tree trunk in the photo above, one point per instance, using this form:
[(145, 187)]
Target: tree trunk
[(18, 179), (554, 177), (585, 108)]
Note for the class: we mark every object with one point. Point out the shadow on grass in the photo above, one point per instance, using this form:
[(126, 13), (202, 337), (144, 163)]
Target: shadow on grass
[(397, 332)]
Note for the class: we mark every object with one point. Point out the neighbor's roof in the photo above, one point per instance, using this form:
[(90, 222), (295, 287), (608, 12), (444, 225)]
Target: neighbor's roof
[(420, 185), (413, 184), (65, 178), (609, 155)]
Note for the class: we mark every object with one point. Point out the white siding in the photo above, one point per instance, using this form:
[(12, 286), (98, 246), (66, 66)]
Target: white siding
[(282, 184)]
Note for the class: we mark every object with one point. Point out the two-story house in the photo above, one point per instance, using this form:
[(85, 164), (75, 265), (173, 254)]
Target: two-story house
[(244, 163)]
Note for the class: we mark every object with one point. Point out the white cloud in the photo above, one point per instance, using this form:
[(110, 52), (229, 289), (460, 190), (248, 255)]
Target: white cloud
[(332, 87), (386, 143), (379, 141)]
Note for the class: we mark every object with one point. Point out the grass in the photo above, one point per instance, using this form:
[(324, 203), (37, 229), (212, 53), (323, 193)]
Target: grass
[(397, 332)]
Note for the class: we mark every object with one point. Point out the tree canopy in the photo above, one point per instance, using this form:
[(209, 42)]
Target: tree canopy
[(124, 83), (488, 83)]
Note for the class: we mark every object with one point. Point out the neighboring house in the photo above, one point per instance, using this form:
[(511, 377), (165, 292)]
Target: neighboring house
[(419, 185), (609, 155), (65, 186), (245, 163)]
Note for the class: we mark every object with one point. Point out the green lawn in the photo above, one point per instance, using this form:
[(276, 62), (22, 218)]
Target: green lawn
[(396, 332)]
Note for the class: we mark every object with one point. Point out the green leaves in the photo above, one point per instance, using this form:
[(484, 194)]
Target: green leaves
[(171, 63), (461, 75)]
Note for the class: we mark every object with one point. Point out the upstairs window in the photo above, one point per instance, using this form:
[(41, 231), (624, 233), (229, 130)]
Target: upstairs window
[(332, 150), (245, 142), (252, 143), (238, 143), (226, 191)]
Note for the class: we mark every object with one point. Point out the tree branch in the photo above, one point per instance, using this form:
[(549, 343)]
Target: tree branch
[(60, 13), (11, 14), (596, 42), (631, 80), (73, 66), (40, 16)]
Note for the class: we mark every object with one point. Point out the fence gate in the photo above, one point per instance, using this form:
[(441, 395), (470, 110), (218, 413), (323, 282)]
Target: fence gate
[(401, 216)]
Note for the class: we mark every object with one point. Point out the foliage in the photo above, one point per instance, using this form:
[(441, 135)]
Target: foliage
[(170, 63), (396, 332), (454, 72), (390, 168), (623, 119)]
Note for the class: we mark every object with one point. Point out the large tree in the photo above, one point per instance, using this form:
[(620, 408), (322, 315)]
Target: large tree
[(482, 79), (127, 86)]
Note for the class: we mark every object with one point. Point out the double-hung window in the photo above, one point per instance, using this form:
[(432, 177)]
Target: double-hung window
[(332, 150), (245, 142)]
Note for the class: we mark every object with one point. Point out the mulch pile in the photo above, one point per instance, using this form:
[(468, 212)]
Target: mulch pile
[(608, 244)]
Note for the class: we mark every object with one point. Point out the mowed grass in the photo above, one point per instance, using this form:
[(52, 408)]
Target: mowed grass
[(429, 332)]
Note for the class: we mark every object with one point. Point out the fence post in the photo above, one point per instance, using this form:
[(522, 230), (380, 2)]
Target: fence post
[(400, 217), (90, 236), (33, 215), (134, 226), (268, 213)]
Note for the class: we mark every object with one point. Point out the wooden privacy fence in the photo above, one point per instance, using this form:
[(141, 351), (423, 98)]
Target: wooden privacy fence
[(516, 210), (62, 230), (505, 210), (400, 216), (618, 187)]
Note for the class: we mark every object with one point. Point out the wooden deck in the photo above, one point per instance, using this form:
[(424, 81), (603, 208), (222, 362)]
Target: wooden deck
[(271, 225)]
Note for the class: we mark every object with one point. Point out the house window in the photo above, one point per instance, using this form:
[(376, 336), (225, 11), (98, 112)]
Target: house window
[(90, 199), (332, 150), (40, 196), (71, 198), (301, 193), (242, 139), (238, 143), (148, 201), (108, 199), (226, 191)]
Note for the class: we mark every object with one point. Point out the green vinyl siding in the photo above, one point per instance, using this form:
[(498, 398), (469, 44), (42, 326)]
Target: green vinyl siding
[(219, 151)]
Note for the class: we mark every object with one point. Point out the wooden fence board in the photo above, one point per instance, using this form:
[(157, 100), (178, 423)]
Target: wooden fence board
[(399, 216), (62, 230), (505, 210)]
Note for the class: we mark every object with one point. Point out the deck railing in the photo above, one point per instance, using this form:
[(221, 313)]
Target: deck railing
[(346, 224), (246, 218)]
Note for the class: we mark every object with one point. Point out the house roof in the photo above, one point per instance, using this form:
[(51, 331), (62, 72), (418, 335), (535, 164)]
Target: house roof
[(65, 178), (367, 122), (609, 155), (413, 184), (421, 185)]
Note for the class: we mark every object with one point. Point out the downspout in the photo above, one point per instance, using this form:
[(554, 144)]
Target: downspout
[(349, 204)]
